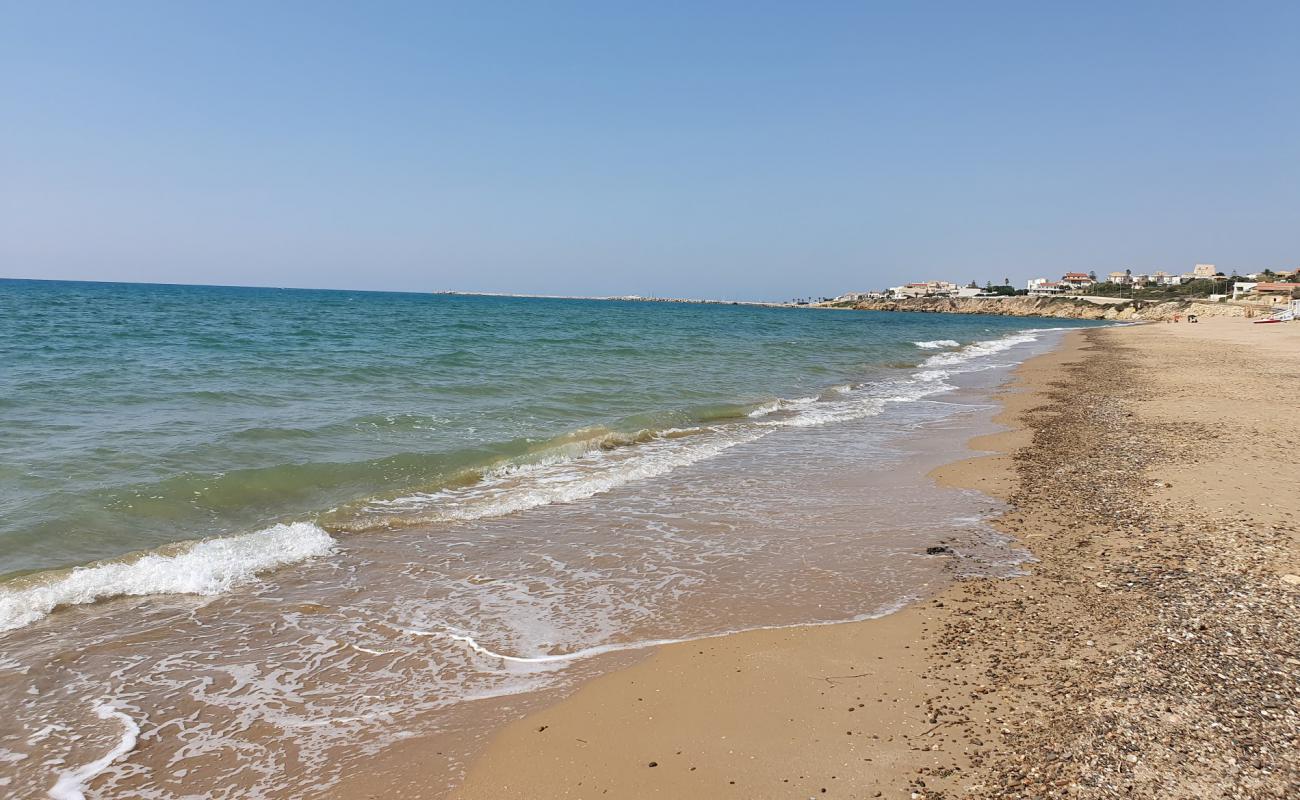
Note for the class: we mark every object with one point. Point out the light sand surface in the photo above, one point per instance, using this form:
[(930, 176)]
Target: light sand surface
[(1246, 462), (1152, 652)]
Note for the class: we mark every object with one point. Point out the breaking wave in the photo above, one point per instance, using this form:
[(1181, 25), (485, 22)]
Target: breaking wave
[(565, 469), (206, 567), (979, 350), (518, 487)]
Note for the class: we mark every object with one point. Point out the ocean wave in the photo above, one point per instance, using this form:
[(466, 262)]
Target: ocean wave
[(206, 567), (980, 350), (519, 487), (594, 461), (937, 344), (568, 468), (781, 404), (824, 413)]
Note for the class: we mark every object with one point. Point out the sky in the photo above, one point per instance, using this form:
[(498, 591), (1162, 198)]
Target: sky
[(746, 150)]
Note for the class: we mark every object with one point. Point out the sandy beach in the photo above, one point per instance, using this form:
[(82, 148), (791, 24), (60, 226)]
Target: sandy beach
[(612, 401), (1150, 651)]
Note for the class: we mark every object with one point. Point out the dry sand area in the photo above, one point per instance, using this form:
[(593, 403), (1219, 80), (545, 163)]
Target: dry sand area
[(1152, 651)]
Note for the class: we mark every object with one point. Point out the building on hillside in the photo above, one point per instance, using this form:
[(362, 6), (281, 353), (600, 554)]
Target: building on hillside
[(1203, 271), (1122, 278), (1076, 280), (854, 297), (907, 290), (925, 289), (1275, 292), (969, 291), (1162, 278), (1273, 276), (1242, 287), (1042, 286)]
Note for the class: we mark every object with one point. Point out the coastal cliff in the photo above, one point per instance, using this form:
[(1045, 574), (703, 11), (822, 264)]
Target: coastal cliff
[(1063, 307)]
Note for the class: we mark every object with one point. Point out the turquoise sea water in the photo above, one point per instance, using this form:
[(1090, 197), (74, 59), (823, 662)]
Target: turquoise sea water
[(132, 415), (250, 539)]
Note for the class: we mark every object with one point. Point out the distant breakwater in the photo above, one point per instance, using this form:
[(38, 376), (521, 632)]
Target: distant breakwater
[(1059, 307)]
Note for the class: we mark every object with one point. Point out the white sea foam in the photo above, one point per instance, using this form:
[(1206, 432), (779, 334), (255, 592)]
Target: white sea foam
[(71, 785), (572, 474), (937, 344), (832, 411), (643, 644), (833, 405), (782, 404), (207, 567), (561, 481), (980, 349)]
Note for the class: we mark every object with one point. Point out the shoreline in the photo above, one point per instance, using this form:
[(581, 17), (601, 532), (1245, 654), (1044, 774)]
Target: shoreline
[(406, 770), (413, 767), (82, 578), (992, 687), (1062, 307), (371, 641), (882, 652)]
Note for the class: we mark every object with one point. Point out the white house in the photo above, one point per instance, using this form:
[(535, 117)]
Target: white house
[(1243, 287), (1042, 286), (925, 289)]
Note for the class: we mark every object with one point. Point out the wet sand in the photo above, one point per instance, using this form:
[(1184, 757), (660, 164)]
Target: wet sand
[(1151, 651)]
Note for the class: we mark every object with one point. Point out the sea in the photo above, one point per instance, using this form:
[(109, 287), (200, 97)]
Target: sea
[(251, 538)]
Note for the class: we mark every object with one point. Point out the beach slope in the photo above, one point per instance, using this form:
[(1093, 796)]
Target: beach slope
[(1151, 650)]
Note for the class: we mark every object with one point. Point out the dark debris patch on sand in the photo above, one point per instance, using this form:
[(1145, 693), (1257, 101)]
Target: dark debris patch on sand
[(1154, 651)]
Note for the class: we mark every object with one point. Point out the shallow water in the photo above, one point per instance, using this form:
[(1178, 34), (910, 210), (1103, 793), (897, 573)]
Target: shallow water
[(410, 505)]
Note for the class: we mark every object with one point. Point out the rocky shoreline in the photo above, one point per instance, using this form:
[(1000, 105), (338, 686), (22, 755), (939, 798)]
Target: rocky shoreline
[(1062, 307)]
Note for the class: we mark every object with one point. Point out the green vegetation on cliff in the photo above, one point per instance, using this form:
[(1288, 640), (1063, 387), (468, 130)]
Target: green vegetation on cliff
[(1201, 287)]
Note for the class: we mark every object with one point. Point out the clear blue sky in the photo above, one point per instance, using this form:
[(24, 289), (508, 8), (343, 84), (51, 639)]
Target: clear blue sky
[(748, 149)]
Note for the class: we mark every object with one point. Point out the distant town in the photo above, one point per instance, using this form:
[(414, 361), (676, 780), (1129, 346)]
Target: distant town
[(1204, 280)]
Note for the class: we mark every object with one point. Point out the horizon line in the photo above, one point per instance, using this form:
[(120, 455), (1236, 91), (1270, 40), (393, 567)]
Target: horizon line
[(457, 292)]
